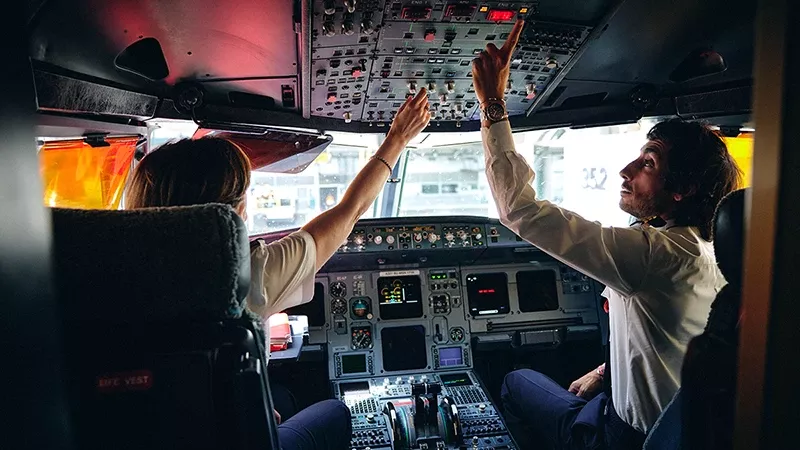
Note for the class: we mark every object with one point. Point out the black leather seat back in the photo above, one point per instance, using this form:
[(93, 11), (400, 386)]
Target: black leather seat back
[(710, 365), (159, 354)]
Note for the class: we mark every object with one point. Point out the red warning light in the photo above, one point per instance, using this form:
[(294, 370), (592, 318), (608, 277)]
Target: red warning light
[(501, 15)]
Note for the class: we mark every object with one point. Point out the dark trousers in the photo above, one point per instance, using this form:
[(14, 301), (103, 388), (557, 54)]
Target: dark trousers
[(323, 425), (542, 414)]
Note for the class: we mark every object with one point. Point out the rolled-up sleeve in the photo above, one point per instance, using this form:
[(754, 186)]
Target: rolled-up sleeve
[(282, 273), (617, 257)]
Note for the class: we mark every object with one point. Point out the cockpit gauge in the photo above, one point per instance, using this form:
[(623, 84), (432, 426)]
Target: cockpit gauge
[(338, 306), (456, 334), (361, 308), (338, 289), (361, 337)]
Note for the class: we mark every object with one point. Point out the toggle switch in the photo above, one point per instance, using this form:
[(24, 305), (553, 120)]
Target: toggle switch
[(530, 88), (412, 87), (367, 27), (432, 86), (329, 6), (347, 119), (451, 87), (328, 27), (350, 5), (551, 63), (348, 28), (443, 99)]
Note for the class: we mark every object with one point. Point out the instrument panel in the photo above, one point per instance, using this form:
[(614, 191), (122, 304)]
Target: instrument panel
[(369, 55), (400, 336)]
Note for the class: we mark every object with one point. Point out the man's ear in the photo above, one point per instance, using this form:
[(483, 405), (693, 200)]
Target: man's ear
[(688, 193)]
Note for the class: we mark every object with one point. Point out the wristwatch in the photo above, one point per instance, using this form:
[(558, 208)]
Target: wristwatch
[(493, 110)]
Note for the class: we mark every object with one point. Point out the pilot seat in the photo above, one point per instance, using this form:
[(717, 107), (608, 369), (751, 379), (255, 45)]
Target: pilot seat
[(160, 351), (701, 415)]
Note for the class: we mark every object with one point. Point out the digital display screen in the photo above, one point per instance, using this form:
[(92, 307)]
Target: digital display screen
[(404, 348), (314, 310), (356, 386), (487, 293), (537, 290), (354, 363), (450, 356), (400, 297), (455, 379)]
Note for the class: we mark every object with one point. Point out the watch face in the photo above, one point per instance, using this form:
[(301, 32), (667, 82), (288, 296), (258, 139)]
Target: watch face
[(495, 111)]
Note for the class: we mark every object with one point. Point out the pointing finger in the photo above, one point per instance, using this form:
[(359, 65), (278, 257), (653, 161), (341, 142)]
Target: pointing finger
[(513, 37), (492, 49)]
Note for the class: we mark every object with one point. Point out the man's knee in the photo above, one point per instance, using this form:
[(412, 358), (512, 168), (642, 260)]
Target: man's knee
[(339, 415), (514, 381)]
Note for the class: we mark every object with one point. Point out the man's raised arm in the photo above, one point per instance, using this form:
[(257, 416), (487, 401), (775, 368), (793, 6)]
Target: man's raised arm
[(617, 257)]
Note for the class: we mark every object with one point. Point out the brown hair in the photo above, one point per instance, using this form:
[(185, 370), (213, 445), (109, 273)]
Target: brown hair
[(190, 172), (699, 167)]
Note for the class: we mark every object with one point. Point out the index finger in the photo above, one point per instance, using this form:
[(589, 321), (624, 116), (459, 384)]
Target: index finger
[(513, 37), (422, 97)]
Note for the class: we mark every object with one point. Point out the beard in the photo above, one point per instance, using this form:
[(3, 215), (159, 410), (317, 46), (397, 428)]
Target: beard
[(644, 206)]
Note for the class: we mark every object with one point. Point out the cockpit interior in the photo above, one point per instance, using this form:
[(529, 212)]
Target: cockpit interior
[(430, 301)]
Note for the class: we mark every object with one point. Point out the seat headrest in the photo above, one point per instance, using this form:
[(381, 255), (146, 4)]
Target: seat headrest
[(152, 264), (729, 232)]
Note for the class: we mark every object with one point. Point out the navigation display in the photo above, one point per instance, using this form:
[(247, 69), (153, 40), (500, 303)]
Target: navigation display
[(537, 290), (400, 297), (450, 356), (354, 363), (404, 348), (487, 293)]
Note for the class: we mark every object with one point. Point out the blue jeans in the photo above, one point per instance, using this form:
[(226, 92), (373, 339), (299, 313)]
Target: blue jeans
[(323, 425), (542, 414)]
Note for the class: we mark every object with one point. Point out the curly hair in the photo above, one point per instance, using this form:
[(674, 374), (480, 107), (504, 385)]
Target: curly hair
[(699, 168)]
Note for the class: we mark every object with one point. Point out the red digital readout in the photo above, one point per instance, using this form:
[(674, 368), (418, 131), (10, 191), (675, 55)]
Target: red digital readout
[(500, 15), (485, 291)]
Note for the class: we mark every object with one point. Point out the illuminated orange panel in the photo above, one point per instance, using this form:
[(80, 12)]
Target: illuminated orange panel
[(741, 149), (77, 175)]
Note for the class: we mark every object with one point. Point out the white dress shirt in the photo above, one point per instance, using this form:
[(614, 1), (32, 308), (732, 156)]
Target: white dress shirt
[(660, 281)]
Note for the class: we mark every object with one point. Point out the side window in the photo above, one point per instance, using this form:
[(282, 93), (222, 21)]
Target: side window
[(76, 174)]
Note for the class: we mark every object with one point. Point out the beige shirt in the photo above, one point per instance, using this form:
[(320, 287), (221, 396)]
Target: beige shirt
[(282, 275), (660, 282)]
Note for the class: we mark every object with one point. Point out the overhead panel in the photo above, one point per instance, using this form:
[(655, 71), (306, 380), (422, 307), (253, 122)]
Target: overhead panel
[(369, 56)]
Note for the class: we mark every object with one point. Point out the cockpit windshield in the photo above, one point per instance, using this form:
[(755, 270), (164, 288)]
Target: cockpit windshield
[(443, 174)]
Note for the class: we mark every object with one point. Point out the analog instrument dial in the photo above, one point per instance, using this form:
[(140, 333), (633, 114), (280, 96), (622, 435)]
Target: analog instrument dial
[(361, 337), (338, 306), (338, 289)]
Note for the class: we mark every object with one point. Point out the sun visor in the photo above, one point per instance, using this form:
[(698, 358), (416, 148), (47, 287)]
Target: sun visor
[(275, 150)]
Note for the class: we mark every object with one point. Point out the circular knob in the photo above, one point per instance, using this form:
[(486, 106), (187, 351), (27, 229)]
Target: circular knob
[(462, 235), (378, 240), (482, 407), (449, 236), (390, 240), (367, 27), (350, 5), (358, 240), (328, 29), (329, 6), (417, 237), (371, 418), (478, 236), (551, 63), (433, 237), (348, 28)]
